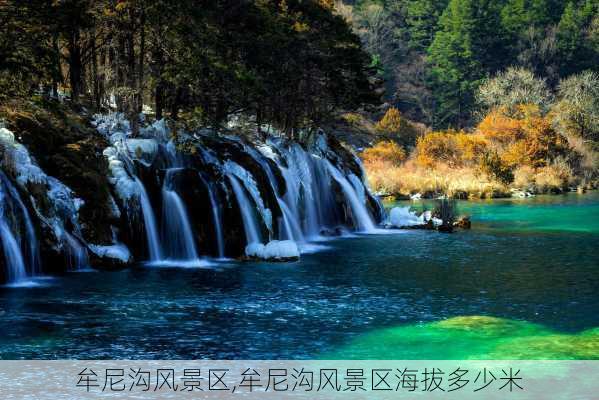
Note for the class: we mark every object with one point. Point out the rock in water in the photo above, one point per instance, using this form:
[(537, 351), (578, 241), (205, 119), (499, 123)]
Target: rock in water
[(463, 223), (276, 250)]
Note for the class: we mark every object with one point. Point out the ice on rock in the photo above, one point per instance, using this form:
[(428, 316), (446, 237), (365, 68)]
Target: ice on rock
[(64, 206), (281, 250), (116, 251), (124, 184), (145, 150), (402, 216), (109, 123), (255, 250), (6, 136), (116, 128), (267, 152), (274, 250)]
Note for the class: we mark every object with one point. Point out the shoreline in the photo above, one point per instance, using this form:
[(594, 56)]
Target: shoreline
[(513, 194)]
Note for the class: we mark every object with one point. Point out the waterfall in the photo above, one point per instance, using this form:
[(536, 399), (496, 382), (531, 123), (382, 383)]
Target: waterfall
[(12, 213), (178, 235), (297, 179), (289, 223), (308, 194), (34, 253), (360, 214), (77, 259), (12, 254), (216, 218), (249, 183), (250, 226), (149, 222)]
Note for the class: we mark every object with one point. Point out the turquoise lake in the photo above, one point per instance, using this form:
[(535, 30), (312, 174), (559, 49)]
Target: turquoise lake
[(523, 283)]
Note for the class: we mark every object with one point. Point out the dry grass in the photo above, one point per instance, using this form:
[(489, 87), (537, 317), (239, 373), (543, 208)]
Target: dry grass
[(410, 178)]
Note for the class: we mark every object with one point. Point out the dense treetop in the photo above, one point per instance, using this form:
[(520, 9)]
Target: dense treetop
[(289, 63)]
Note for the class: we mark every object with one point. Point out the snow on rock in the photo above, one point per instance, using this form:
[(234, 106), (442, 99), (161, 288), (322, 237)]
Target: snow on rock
[(60, 206), (125, 186), (401, 217), (255, 250), (117, 251), (280, 250), (107, 124), (145, 150)]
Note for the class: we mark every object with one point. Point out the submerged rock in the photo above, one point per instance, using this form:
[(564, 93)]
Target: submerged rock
[(463, 223)]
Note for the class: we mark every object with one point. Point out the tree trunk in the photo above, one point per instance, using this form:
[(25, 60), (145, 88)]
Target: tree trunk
[(142, 53), (159, 100), (75, 65)]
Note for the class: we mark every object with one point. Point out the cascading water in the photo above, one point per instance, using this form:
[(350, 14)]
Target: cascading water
[(290, 224), (31, 242), (150, 223), (309, 206), (12, 254), (308, 195), (216, 217), (250, 225), (77, 258), (178, 236), (362, 218)]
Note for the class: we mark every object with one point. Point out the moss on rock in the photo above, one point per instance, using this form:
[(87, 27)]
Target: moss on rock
[(67, 147)]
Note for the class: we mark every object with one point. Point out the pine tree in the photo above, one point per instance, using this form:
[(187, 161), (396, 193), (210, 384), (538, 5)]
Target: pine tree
[(467, 46), (421, 20), (574, 44)]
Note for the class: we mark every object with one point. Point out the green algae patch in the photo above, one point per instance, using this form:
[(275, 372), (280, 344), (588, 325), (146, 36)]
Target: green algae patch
[(471, 338), (582, 346)]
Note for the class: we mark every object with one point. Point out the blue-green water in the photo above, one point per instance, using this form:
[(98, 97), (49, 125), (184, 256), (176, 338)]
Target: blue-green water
[(522, 283)]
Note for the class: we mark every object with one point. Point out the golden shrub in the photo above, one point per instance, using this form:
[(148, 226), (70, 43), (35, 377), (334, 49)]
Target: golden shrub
[(391, 122), (394, 126), (385, 151), (470, 146), (449, 147), (516, 154), (499, 127), (526, 136)]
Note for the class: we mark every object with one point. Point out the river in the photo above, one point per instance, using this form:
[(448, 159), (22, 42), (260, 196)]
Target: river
[(523, 283)]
